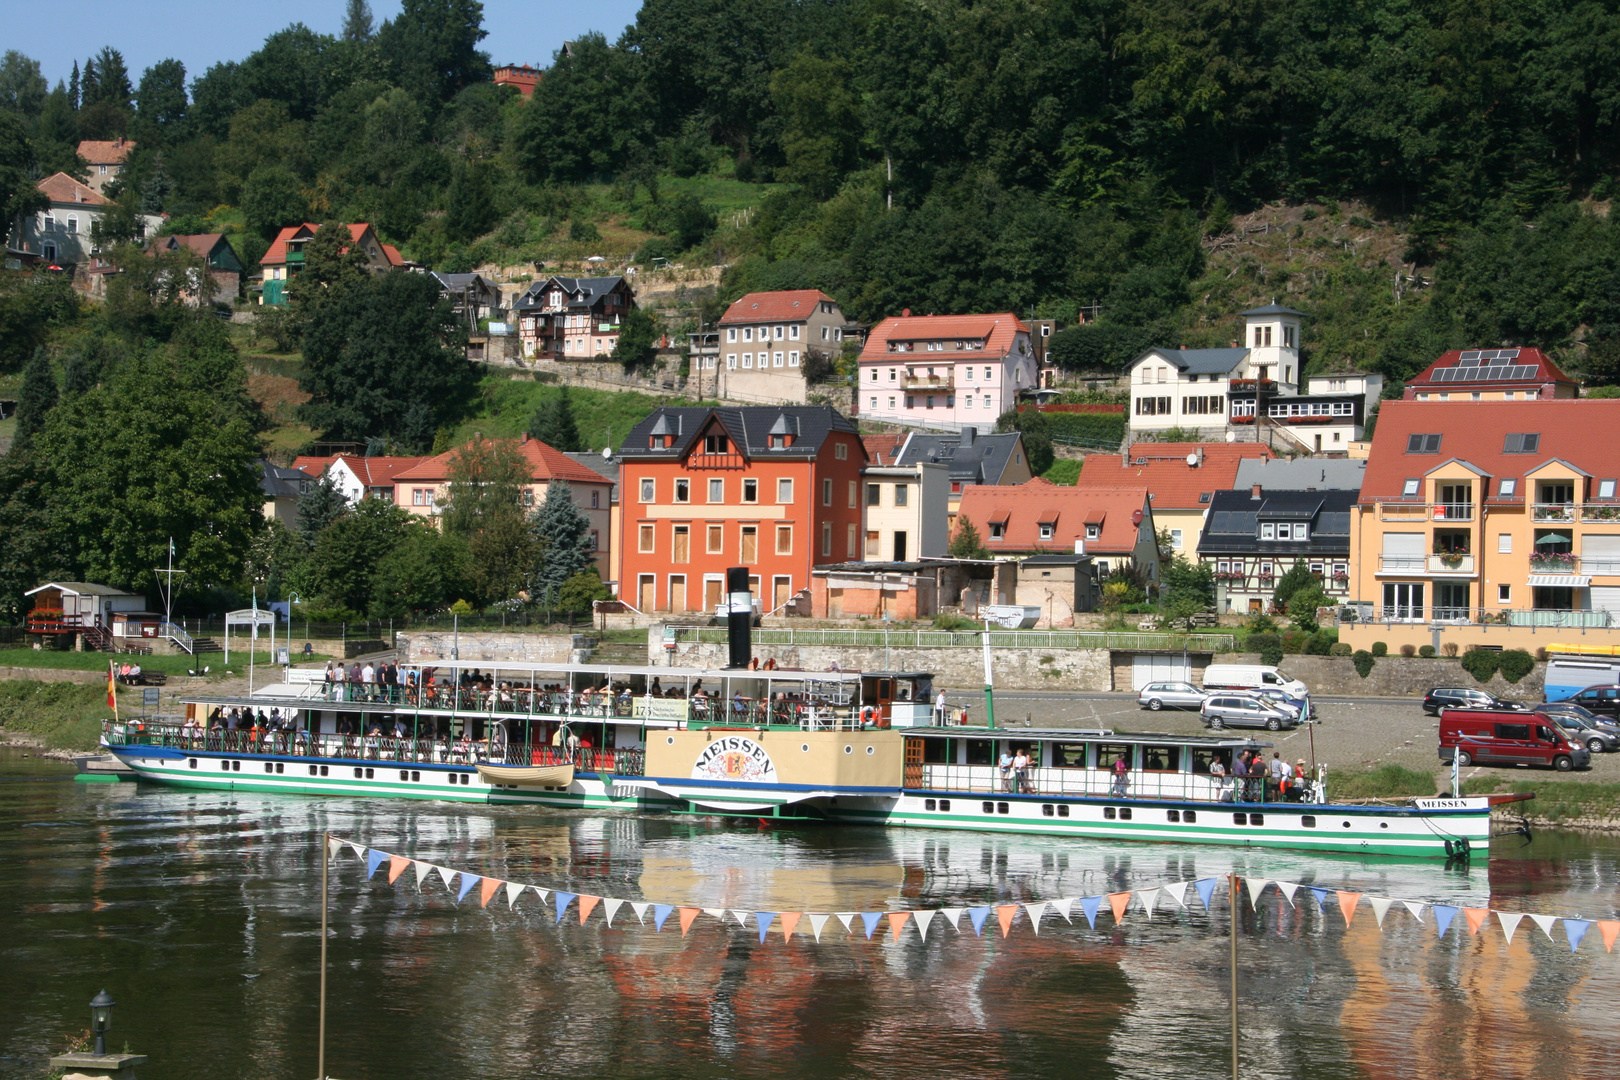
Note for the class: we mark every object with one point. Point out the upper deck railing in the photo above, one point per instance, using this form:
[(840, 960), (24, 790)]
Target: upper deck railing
[(974, 639)]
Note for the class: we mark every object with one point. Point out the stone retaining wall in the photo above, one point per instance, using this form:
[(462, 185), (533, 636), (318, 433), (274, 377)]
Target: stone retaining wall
[(1394, 676), (425, 646)]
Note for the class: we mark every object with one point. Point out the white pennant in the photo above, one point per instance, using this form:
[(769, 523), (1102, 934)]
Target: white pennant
[(740, 916), (610, 908), (1062, 907), (846, 917), (1148, 899), (543, 894), (1176, 891), (1415, 907), (640, 908), (423, 869), (333, 846), (1288, 888), (922, 919), (1380, 906), (445, 874), (952, 915), (1510, 923), (1035, 911), (817, 921), (513, 891), (718, 913), (1546, 923), (1256, 886), (359, 852)]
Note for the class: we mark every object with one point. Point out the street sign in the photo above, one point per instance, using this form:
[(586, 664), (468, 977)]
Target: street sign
[(149, 697)]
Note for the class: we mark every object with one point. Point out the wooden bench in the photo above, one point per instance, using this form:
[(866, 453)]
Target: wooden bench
[(145, 678)]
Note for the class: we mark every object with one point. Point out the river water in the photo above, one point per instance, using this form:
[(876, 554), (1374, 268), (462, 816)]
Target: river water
[(199, 913)]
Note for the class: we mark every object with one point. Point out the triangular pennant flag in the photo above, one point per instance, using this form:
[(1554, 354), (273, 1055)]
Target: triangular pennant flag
[(333, 846), (587, 904), (897, 923), (640, 908), (1005, 914), (817, 921), (1443, 914), (1063, 907), (924, 917), (396, 867), (1206, 889), (978, 915), (687, 915), (1176, 891), (1347, 905), (1380, 906), (423, 869), (1148, 898), (952, 915), (374, 859), (717, 912), (1256, 886), (513, 891), (847, 918), (1545, 922), (1475, 917), (1089, 905), (1415, 907), (562, 902), (487, 889), (790, 922), (467, 883), (359, 852), (1608, 928), (1287, 888), (871, 918), (1510, 923), (543, 894), (764, 920), (1119, 901), (445, 874), (611, 908), (1035, 911), (1576, 929), (740, 916), (660, 913), (1321, 897)]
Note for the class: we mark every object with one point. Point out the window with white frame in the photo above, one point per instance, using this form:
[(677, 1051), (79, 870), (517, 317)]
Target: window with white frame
[(731, 333), (793, 358), (784, 490), (793, 332), (648, 489), (826, 538), (748, 360), (826, 492), (780, 333), (1504, 543), (1504, 594), (777, 359), (1093, 532), (748, 333), (717, 490), (1175, 539), (750, 491), (683, 491), (841, 451), (1046, 532), (731, 361)]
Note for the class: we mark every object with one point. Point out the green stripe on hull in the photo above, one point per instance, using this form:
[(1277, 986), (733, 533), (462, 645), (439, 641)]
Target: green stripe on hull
[(376, 789)]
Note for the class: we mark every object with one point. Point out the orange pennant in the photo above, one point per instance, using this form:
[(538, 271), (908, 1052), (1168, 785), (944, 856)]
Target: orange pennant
[(487, 888), (1347, 906), (396, 866), (897, 922), (790, 920), (587, 904), (1476, 918), (1005, 915), (687, 915), (1608, 928), (1119, 901)]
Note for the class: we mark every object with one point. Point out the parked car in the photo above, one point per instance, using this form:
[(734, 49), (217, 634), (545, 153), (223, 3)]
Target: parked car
[(1556, 708), (1170, 695), (1465, 697), (1245, 710), (1602, 700), (1506, 737), (1597, 739), (1301, 705), (1251, 677)]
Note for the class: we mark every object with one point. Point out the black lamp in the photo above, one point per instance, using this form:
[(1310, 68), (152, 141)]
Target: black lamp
[(101, 1007)]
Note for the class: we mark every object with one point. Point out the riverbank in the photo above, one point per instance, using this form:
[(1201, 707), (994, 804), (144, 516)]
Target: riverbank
[(57, 717)]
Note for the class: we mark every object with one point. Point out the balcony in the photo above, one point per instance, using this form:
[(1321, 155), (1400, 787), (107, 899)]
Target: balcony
[(1557, 513), (1458, 565), (1461, 564), (1416, 511), (1363, 611), (947, 381), (1553, 562)]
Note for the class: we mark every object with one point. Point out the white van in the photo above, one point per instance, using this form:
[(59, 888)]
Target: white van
[(1251, 677)]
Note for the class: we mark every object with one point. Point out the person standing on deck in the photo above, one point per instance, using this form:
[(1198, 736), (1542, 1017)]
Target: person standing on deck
[(1006, 766), (1122, 777), (1021, 770), (941, 717), (1240, 772)]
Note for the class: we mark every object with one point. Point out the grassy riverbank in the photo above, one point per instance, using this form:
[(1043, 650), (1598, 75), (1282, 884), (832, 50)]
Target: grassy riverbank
[(1556, 800), (58, 715), (170, 665)]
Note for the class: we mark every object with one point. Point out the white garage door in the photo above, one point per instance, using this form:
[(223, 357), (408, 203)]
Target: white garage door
[(1156, 667)]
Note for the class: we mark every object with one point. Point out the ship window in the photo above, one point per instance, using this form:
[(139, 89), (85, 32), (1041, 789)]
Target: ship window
[(1172, 815), (989, 808), (1383, 824), (1109, 814), (371, 774), (945, 804), (928, 804), (313, 771), (281, 767), (324, 770), (1063, 811), (1124, 813), (404, 774), (415, 776), (1047, 810), (1240, 819), (236, 766), (193, 762), (1309, 821), (1001, 808), (1189, 816), (359, 774), (1257, 819), (1347, 824)]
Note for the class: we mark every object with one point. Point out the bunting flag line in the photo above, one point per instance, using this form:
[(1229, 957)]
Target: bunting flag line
[(1176, 890), (897, 923), (422, 871), (1005, 914), (513, 891), (1256, 887), (1443, 914), (1510, 923), (953, 915), (1148, 898), (1608, 928), (487, 889), (1035, 911), (640, 908), (817, 921), (586, 905), (1347, 905), (847, 917), (790, 922), (1475, 917), (1575, 929), (1380, 906), (764, 919), (610, 908), (870, 918), (1287, 888), (1090, 905), (1062, 907), (1415, 907), (561, 904), (374, 859), (467, 882), (1206, 889), (660, 913), (1119, 901), (978, 915), (1546, 923), (923, 917), (687, 915)]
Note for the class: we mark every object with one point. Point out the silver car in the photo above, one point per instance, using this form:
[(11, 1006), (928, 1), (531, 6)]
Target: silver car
[(1171, 695), (1236, 710)]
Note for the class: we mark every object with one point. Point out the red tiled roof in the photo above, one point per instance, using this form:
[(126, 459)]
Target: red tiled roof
[(1024, 507), (998, 329), (378, 471), (199, 243), (1476, 432), (391, 253), (546, 462), (882, 449), (110, 152), (1163, 468), (1546, 371), (315, 466), (790, 305), (62, 188), (277, 252)]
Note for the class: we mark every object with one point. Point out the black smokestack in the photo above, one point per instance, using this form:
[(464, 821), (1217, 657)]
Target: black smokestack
[(740, 617)]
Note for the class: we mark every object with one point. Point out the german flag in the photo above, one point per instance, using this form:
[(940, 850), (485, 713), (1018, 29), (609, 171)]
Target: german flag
[(112, 687)]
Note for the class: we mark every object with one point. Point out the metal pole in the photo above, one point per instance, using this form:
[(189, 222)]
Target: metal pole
[(1233, 881), (989, 687), (320, 1051)]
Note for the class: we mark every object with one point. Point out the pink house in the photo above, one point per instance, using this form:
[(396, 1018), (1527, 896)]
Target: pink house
[(945, 370)]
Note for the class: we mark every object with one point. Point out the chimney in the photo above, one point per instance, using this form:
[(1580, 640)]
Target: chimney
[(905, 313), (1184, 348), (1254, 492), (524, 441), (968, 435)]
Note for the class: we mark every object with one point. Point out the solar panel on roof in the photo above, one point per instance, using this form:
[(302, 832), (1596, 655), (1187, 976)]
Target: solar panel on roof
[(1470, 357)]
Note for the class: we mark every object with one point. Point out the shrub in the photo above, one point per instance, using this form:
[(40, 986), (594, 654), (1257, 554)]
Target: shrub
[(1426, 651), (1514, 664), (1322, 642), (1449, 648), (1261, 642), (947, 621), (1380, 649), (1295, 642), (1340, 648), (1481, 663), (1364, 662), (1271, 657), (1408, 650), (1261, 623)]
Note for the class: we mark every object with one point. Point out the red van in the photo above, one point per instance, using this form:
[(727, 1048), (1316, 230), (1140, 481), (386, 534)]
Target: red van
[(1493, 737)]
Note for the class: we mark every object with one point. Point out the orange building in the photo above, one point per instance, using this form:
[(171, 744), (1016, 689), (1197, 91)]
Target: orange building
[(776, 489)]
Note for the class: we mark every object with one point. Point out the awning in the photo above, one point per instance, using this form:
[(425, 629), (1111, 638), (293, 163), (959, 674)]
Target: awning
[(1560, 581)]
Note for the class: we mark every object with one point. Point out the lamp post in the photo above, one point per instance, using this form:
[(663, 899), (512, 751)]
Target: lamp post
[(98, 1065), (101, 1007)]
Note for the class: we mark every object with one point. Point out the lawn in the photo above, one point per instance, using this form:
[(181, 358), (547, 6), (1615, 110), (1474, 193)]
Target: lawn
[(169, 665), (604, 417), (64, 716)]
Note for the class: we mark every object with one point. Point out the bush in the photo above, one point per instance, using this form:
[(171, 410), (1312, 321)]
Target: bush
[(1408, 650), (1514, 664), (1260, 623), (1340, 648), (1449, 648), (1295, 641), (948, 621), (1426, 651), (1322, 642), (1380, 649), (1481, 663), (1271, 657), (1364, 662), (1261, 642)]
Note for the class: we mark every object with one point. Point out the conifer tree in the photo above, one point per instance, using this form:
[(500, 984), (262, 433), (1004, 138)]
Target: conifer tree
[(318, 507), (563, 535), (553, 424), (357, 24), (36, 399)]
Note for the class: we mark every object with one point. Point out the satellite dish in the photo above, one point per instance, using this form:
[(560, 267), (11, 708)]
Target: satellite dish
[(607, 452), (1231, 436), (1192, 459)]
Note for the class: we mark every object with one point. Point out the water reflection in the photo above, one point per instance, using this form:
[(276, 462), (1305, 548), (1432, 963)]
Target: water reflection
[(197, 911)]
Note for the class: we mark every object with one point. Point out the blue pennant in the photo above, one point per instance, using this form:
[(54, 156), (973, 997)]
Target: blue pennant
[(1089, 905), (1322, 895), (1443, 914), (978, 915), (562, 900), (1576, 929), (765, 918), (660, 913), (467, 882), (870, 918), (374, 859), (1206, 889)]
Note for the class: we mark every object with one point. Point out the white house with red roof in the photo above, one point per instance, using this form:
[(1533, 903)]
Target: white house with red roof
[(766, 340), (1491, 375), (1113, 525), (60, 235), (358, 477), (945, 371), (285, 257)]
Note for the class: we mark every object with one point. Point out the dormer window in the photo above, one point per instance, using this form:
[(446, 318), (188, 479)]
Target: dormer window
[(715, 444), (1046, 532), (1093, 532), (1410, 488), (998, 530), (1605, 489)]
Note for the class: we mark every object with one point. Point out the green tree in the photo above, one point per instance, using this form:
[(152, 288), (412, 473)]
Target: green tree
[(347, 553), (35, 400), (22, 87), (18, 191), (966, 543), (160, 101), (562, 537), (553, 423), (579, 592), (318, 507), (1186, 588), (1299, 576), (357, 24), (488, 482), (821, 118), (589, 117), (272, 200), (1304, 602), (470, 205), (275, 560), (423, 572), (432, 46), (637, 340), (1037, 436)]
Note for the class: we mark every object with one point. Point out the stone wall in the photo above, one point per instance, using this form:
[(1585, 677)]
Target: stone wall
[(1394, 676), (425, 646)]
